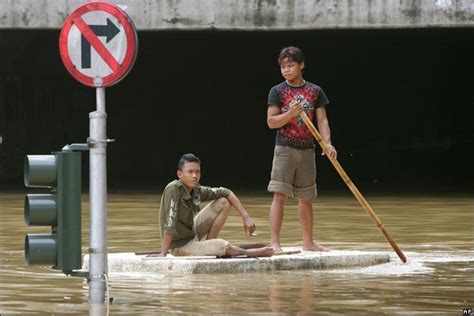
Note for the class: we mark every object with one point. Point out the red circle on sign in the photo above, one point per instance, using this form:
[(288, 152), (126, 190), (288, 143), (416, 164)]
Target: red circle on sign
[(119, 70)]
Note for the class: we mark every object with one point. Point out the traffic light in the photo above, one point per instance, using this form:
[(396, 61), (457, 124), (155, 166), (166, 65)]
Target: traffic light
[(60, 209)]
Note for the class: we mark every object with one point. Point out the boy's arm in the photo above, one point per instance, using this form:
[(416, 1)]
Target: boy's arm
[(168, 218), (208, 193), (165, 244), (324, 130), (249, 224), (276, 119)]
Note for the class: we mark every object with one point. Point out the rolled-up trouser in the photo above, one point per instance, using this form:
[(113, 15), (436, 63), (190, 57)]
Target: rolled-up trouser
[(294, 172), (199, 246)]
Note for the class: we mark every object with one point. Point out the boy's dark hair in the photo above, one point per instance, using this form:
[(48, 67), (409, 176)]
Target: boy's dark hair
[(292, 53), (187, 158)]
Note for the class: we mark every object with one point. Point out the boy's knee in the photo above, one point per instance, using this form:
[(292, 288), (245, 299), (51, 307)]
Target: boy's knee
[(305, 201), (223, 204), (279, 197)]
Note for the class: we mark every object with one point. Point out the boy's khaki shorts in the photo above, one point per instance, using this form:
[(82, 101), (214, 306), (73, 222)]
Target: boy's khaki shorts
[(294, 172), (199, 246)]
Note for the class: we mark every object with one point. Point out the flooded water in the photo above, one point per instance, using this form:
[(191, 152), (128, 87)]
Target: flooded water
[(436, 232)]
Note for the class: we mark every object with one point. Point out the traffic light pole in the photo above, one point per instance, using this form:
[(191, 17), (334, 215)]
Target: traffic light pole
[(98, 201)]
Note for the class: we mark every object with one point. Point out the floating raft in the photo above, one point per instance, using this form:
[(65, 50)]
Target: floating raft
[(304, 260)]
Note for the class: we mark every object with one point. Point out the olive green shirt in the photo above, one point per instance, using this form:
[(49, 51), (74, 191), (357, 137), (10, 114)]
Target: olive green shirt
[(179, 206)]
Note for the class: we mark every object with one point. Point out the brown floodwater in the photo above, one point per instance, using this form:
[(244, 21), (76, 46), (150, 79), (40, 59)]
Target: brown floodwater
[(435, 231)]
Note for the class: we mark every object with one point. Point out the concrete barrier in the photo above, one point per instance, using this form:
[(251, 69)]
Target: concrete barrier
[(250, 15), (129, 262)]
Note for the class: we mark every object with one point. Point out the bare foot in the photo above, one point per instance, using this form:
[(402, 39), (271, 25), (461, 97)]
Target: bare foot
[(276, 248), (260, 252), (315, 247)]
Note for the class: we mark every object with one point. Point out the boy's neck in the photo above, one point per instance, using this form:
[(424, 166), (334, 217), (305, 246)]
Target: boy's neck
[(297, 82)]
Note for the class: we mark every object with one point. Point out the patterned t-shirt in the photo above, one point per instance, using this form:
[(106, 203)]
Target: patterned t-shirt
[(295, 134)]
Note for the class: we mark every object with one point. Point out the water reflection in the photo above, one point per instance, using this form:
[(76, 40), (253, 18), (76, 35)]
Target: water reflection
[(435, 232)]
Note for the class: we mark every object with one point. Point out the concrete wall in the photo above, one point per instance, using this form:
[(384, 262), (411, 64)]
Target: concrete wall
[(253, 14)]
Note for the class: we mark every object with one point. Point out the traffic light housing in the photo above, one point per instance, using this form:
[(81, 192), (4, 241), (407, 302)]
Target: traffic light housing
[(60, 209)]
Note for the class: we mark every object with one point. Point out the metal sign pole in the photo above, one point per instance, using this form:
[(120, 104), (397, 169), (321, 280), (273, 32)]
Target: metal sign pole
[(98, 201), (106, 29)]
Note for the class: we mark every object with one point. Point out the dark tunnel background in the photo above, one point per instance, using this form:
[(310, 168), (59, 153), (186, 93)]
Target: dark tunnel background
[(401, 106)]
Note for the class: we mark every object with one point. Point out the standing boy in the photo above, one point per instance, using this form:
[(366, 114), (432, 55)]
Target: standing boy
[(294, 166), (188, 231)]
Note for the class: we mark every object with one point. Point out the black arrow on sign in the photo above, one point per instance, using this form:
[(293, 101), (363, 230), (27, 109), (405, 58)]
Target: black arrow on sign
[(109, 31)]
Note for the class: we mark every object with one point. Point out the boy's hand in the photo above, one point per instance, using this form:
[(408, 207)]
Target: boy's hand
[(249, 226), (332, 151), (295, 108), (157, 255)]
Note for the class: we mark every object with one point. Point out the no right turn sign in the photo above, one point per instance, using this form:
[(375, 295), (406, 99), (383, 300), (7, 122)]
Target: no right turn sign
[(98, 44)]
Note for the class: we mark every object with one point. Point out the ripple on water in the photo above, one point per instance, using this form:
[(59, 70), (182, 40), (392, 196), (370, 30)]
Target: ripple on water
[(414, 265)]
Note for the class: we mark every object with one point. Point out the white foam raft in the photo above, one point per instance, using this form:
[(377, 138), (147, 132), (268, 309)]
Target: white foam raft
[(305, 260)]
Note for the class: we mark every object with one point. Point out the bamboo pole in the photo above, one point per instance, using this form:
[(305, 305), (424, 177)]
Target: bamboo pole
[(352, 187)]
